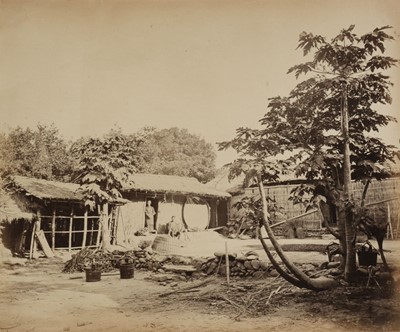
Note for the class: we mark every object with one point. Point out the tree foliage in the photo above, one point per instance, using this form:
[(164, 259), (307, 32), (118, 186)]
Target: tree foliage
[(104, 165), (175, 151), (39, 152), (346, 72)]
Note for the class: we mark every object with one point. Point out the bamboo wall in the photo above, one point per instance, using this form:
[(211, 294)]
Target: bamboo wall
[(378, 191)]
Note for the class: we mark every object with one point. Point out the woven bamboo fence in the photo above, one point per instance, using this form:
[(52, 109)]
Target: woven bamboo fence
[(379, 192)]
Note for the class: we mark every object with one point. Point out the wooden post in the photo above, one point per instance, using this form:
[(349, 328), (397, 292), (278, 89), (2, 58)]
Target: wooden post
[(53, 230), (35, 229), (71, 219), (227, 262), (32, 241), (85, 224)]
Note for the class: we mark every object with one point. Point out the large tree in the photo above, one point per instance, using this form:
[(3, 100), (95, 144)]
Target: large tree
[(175, 151), (39, 152), (104, 165), (327, 122)]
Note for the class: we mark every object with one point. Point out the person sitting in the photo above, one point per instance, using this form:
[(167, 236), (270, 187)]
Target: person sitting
[(175, 228)]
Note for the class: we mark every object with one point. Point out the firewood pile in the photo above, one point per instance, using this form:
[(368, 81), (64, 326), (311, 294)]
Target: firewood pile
[(105, 261), (90, 258)]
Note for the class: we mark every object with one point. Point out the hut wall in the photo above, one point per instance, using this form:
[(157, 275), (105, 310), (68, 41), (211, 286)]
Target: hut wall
[(69, 221)]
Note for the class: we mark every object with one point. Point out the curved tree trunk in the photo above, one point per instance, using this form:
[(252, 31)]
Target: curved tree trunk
[(313, 284), (278, 268)]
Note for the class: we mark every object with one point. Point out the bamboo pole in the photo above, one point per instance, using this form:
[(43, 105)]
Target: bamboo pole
[(390, 229), (227, 263), (294, 218), (85, 224), (53, 230), (383, 201), (71, 219)]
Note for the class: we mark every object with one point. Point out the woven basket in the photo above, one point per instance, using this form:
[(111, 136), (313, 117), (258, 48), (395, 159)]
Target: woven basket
[(164, 244)]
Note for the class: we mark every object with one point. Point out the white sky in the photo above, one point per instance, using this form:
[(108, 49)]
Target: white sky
[(208, 66)]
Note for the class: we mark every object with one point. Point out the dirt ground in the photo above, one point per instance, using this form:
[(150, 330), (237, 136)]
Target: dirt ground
[(36, 296)]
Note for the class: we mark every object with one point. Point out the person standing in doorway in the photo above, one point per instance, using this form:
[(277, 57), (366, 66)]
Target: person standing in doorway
[(149, 216)]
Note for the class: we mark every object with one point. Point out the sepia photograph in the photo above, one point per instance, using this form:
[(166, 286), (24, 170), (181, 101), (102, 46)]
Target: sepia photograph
[(199, 165)]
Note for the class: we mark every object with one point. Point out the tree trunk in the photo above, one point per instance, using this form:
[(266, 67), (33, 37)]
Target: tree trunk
[(104, 227), (350, 229), (318, 284)]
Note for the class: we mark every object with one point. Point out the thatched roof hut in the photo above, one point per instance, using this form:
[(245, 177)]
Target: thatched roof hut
[(171, 184), (46, 190)]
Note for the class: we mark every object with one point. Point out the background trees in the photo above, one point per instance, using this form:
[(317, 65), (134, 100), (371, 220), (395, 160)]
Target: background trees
[(175, 151), (326, 123), (43, 153), (39, 152)]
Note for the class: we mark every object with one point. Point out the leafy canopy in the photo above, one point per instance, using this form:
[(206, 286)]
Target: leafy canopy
[(39, 152), (307, 122), (104, 165), (175, 151)]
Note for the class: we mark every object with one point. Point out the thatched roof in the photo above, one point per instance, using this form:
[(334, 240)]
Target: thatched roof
[(45, 189), (60, 191), (10, 209), (172, 184), (221, 181)]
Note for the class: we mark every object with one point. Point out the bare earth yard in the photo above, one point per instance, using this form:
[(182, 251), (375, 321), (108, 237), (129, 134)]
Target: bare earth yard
[(36, 296)]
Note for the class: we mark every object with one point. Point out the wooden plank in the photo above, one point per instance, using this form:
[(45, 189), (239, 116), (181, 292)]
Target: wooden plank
[(179, 268), (43, 243)]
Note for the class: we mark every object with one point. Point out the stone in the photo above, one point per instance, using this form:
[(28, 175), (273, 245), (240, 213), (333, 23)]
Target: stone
[(247, 265), (252, 257), (264, 265), (241, 258), (161, 277), (255, 263), (273, 273)]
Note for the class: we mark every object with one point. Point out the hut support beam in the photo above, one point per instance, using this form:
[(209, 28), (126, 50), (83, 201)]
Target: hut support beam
[(53, 231), (71, 219), (85, 224)]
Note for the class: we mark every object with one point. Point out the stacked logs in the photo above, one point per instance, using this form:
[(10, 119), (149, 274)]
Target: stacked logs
[(248, 265)]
